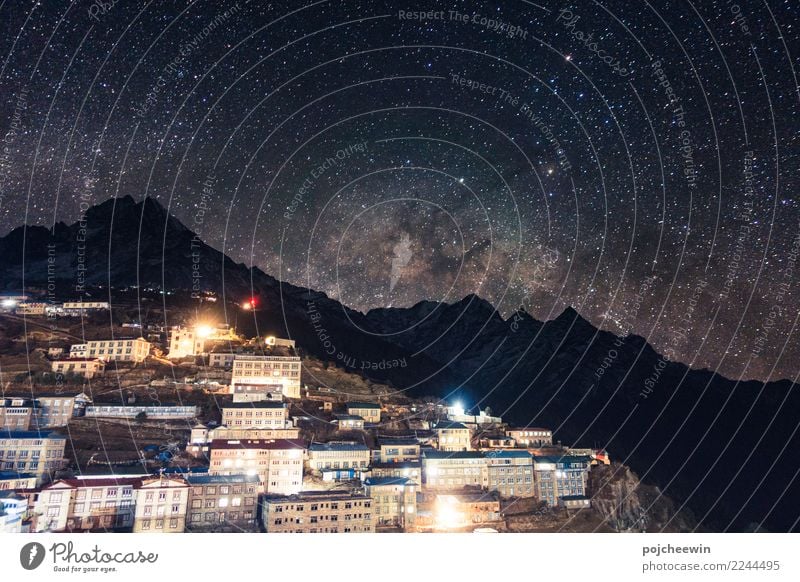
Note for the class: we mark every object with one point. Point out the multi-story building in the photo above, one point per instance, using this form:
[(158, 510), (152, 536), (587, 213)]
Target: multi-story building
[(249, 415), (318, 512), (398, 450), (166, 412), (13, 508), (556, 477), (275, 374), (87, 505), (161, 505), (35, 452), (510, 473), (84, 367), (369, 411), (457, 511), (18, 413), (443, 470), (228, 501), (187, 341), (14, 481), (277, 462), (31, 308), (46, 411), (496, 441), (531, 437), (394, 501), (221, 359), (338, 455), (202, 437), (118, 350), (348, 422), (409, 469), (80, 307), (452, 436), (55, 409)]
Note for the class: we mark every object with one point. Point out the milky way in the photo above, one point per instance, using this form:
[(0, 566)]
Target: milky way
[(635, 160)]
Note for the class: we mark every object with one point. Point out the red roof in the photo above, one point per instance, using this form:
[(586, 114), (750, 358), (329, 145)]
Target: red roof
[(109, 482)]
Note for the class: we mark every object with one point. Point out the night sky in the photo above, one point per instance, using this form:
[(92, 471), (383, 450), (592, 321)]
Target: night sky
[(635, 160)]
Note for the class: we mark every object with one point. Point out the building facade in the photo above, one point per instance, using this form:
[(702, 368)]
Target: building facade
[(531, 437), (263, 377), (31, 452), (398, 450), (249, 415), (557, 477), (452, 436), (119, 350), (151, 412), (277, 462), (367, 410), (215, 501), (394, 501), (444, 470), (510, 473), (318, 512), (76, 505), (161, 505), (84, 367), (338, 455)]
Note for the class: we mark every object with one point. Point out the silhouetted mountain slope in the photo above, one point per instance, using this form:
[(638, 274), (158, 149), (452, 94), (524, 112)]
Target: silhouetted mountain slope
[(722, 447)]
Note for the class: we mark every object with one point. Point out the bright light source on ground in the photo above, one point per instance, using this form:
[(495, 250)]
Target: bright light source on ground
[(204, 330), (447, 514), (9, 303)]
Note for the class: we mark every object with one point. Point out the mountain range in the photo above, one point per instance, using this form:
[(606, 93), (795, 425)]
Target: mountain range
[(724, 448)]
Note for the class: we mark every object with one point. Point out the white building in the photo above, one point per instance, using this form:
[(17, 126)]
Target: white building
[(13, 508), (79, 308), (119, 350), (151, 412), (256, 415), (185, 342), (257, 377)]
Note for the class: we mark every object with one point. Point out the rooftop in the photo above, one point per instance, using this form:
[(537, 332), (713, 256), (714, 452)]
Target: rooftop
[(256, 404), (449, 425), (370, 405), (347, 417), (561, 459), (259, 444), (509, 454), (98, 482), (220, 479), (397, 441), (30, 434), (338, 446), (380, 481), (310, 496), (434, 454)]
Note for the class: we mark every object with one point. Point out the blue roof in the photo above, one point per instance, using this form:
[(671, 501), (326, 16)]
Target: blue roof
[(453, 455), (378, 481), (505, 454), (220, 479), (30, 434), (15, 475)]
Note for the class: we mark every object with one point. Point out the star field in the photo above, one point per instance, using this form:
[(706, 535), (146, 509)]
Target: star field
[(636, 161)]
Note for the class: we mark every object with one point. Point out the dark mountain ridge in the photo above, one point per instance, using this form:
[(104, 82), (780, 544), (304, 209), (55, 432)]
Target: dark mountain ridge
[(722, 447)]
